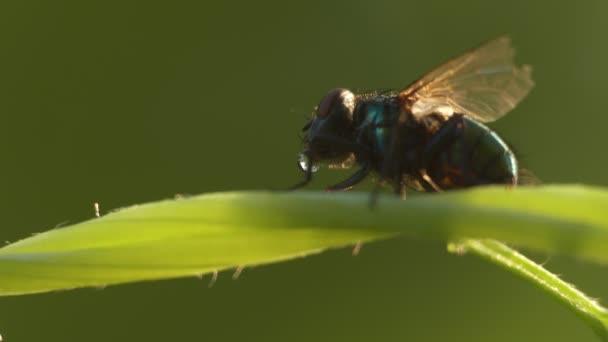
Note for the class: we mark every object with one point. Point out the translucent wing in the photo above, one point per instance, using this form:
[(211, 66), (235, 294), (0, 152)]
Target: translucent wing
[(483, 83)]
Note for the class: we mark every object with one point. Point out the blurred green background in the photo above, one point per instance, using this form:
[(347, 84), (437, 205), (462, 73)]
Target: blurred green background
[(123, 102)]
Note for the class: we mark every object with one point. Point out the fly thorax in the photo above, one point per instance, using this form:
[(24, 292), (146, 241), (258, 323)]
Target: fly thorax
[(375, 119)]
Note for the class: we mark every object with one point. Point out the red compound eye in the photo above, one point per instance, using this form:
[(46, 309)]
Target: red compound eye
[(326, 105)]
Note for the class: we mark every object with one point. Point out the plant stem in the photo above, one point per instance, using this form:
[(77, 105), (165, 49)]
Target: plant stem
[(589, 310)]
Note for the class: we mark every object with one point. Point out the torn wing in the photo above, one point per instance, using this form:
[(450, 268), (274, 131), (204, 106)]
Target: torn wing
[(483, 83)]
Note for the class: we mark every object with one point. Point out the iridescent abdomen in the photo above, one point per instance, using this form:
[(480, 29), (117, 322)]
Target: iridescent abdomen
[(474, 156)]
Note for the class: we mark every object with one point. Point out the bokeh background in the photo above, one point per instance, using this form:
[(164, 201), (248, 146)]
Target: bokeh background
[(123, 102)]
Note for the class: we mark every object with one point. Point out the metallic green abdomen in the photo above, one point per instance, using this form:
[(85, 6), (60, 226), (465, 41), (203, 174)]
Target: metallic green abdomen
[(472, 155)]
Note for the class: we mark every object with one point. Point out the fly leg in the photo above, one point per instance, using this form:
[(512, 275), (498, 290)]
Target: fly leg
[(427, 182), (352, 180), (306, 179), (391, 167), (359, 150), (451, 131), (400, 189)]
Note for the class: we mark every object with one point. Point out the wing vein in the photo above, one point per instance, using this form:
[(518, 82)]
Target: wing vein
[(483, 83)]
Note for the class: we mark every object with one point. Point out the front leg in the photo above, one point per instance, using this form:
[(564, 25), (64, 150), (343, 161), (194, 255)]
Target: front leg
[(352, 180), (307, 179)]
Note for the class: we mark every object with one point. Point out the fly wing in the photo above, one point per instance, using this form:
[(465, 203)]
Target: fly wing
[(483, 83)]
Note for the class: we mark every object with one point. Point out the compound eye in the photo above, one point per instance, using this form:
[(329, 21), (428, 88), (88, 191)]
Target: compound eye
[(334, 97)]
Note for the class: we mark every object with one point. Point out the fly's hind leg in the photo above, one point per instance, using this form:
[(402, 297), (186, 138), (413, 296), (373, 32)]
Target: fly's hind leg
[(451, 131), (427, 182)]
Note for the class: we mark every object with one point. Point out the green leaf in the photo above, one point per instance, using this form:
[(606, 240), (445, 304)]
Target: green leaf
[(214, 232)]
